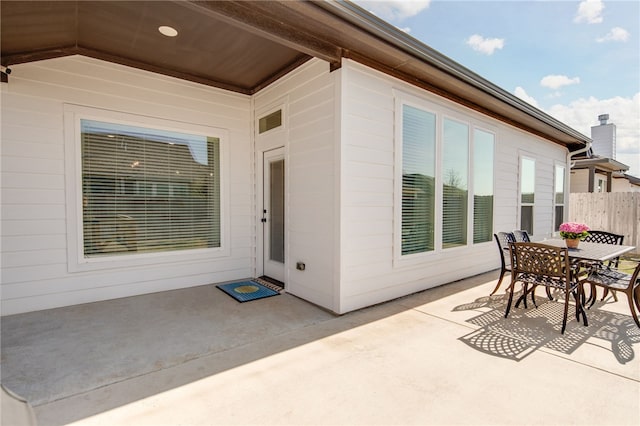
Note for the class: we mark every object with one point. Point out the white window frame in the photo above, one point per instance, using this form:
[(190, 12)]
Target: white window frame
[(565, 178), (400, 259), (76, 261), (522, 157), (472, 189)]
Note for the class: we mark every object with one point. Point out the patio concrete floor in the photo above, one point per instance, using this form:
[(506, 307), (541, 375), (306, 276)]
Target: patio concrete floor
[(441, 356)]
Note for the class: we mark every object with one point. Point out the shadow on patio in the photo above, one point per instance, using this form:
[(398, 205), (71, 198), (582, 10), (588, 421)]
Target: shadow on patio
[(526, 330), (195, 356)]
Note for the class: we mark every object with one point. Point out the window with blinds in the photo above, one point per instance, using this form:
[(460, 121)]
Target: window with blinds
[(483, 165), (148, 190), (527, 193), (462, 155), (455, 183), (418, 180)]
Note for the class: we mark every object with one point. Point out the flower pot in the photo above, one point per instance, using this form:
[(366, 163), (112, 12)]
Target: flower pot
[(572, 242)]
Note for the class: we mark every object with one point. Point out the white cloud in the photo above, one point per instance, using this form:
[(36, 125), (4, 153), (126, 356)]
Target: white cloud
[(522, 94), (557, 81), (485, 45), (589, 11), (616, 34), (623, 112), (394, 10)]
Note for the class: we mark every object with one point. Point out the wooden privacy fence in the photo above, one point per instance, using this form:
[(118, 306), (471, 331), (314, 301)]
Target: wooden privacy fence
[(616, 212)]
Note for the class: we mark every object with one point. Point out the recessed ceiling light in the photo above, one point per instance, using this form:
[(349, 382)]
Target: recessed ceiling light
[(168, 31)]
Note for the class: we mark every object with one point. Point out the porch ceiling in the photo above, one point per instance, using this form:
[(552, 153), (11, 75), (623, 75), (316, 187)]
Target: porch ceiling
[(245, 45)]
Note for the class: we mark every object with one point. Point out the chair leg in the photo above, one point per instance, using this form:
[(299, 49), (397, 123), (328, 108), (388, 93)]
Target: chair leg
[(606, 292), (592, 296), (499, 282), (523, 298), (549, 293), (566, 311), (510, 290), (630, 297), (579, 296)]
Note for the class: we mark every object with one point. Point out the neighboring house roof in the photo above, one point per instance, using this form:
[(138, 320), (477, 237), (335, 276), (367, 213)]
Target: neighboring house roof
[(244, 46), (599, 163)]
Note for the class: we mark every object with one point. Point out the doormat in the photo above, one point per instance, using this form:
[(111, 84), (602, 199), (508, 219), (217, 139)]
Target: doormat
[(271, 283), (246, 291)]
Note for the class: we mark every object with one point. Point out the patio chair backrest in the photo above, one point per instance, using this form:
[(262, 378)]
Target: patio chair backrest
[(521, 236), (503, 239), (604, 237), (541, 264)]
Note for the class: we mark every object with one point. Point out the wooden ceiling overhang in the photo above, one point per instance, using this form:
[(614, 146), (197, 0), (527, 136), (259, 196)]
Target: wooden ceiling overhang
[(243, 46)]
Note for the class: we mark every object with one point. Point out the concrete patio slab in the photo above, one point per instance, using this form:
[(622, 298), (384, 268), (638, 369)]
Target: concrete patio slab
[(442, 356)]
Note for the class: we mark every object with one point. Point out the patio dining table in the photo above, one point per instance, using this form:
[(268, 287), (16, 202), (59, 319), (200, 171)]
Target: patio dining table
[(589, 252), (594, 252)]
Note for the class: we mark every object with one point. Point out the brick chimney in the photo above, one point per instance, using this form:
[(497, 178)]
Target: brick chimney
[(604, 138)]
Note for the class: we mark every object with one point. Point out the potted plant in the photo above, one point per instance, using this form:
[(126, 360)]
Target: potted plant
[(573, 232)]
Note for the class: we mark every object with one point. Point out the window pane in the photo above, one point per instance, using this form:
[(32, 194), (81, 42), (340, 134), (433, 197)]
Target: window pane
[(276, 203), (558, 218), (559, 197), (527, 181), (418, 180), (559, 185), (526, 219), (148, 190), (482, 186), (455, 164), (270, 121), (527, 190)]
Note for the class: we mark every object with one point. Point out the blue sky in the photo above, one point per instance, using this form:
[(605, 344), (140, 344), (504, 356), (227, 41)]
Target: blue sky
[(574, 60)]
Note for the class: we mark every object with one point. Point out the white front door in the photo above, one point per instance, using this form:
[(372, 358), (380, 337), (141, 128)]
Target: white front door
[(273, 219)]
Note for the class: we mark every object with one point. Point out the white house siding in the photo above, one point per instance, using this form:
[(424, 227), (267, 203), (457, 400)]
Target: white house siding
[(34, 242), (623, 185), (308, 95), (368, 272)]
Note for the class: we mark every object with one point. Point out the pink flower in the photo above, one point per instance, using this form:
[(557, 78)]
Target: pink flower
[(573, 230)]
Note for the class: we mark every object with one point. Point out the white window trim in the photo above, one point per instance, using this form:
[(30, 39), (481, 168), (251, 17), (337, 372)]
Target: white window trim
[(270, 109), (76, 262)]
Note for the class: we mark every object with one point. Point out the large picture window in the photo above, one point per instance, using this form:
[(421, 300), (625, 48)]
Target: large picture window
[(148, 190), (447, 188)]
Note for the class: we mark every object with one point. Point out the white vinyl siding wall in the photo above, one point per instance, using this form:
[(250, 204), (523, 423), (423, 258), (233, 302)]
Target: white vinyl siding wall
[(311, 176), (368, 272), (34, 244)]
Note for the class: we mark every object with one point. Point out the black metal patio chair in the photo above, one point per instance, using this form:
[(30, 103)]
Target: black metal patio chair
[(613, 279), (536, 264), (602, 237), (503, 239)]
